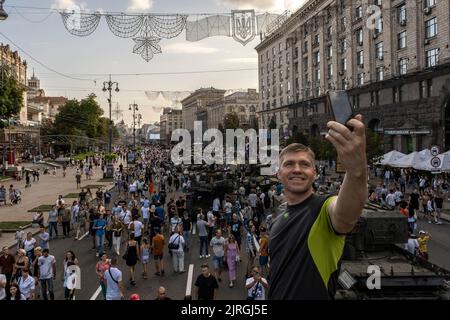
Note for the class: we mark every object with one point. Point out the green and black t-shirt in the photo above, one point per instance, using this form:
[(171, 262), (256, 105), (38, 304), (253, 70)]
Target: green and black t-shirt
[(304, 252)]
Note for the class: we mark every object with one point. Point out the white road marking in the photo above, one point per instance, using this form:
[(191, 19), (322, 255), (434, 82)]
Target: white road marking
[(189, 280), (96, 293), (84, 235)]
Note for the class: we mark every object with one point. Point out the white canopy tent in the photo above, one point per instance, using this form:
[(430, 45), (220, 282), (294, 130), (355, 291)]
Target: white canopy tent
[(390, 157), (416, 160)]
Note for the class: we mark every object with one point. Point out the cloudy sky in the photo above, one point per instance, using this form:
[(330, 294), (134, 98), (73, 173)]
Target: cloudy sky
[(44, 37)]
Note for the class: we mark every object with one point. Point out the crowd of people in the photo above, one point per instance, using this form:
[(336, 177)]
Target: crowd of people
[(149, 218), (153, 214)]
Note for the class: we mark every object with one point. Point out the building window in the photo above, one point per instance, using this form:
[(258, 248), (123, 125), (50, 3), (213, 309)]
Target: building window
[(379, 25), (379, 52), (288, 58), (401, 10), (360, 80), (343, 23), (402, 40), (431, 29), (281, 75), (397, 94), (360, 58), (316, 58), (280, 61), (380, 73), (343, 45), (359, 12), (426, 86), (359, 37), (262, 58), (344, 84), (329, 33), (273, 52), (344, 64), (305, 64), (280, 47), (329, 52), (267, 54), (288, 86), (316, 39), (432, 57), (330, 71), (356, 101), (317, 74), (377, 97), (429, 3), (403, 66)]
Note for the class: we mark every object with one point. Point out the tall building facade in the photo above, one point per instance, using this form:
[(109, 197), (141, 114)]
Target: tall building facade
[(170, 120), (392, 56)]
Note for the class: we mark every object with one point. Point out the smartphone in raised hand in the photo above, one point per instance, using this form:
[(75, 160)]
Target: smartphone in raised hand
[(340, 106)]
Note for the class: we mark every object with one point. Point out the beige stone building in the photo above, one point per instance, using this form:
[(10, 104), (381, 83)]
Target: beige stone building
[(394, 62), (244, 104), (194, 106), (170, 120)]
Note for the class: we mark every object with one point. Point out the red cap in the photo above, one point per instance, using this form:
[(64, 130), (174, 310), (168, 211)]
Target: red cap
[(135, 296)]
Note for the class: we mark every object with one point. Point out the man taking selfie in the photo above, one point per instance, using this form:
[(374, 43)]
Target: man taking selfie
[(307, 237)]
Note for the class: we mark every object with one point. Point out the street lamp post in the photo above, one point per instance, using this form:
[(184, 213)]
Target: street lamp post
[(108, 86), (135, 108), (3, 14)]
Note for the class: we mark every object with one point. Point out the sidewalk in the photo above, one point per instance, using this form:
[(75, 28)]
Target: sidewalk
[(45, 191)]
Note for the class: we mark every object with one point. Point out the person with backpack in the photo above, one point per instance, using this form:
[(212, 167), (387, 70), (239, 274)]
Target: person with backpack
[(176, 247)]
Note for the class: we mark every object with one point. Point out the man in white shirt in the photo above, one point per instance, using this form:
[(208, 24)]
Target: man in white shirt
[(138, 226), (390, 199), (253, 199), (216, 205), (47, 273), (145, 211), (114, 285), (256, 286), (398, 197)]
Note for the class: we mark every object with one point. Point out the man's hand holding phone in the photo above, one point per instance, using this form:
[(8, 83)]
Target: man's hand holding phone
[(350, 145)]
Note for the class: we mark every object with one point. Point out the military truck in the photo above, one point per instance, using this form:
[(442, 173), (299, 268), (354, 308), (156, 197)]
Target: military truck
[(377, 244)]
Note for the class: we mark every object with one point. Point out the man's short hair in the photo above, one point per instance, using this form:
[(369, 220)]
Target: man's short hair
[(297, 147), (45, 251), (205, 265)]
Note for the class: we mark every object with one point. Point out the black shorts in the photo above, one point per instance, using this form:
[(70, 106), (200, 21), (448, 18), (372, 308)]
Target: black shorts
[(158, 257)]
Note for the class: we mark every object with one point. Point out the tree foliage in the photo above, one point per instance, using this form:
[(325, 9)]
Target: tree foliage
[(231, 121), (11, 96), (80, 118), (374, 147), (322, 148)]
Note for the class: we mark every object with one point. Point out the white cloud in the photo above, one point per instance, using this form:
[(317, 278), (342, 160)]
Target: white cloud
[(242, 60), (70, 5), (140, 5), (189, 48)]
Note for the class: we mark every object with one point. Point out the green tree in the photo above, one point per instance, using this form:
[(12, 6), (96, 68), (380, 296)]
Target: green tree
[(374, 147), (11, 97), (80, 118), (231, 121), (322, 148)]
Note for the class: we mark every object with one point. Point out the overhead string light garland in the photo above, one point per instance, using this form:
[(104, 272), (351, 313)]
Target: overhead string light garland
[(147, 30)]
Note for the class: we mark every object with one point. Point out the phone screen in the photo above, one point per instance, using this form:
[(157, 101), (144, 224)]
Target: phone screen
[(340, 105)]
